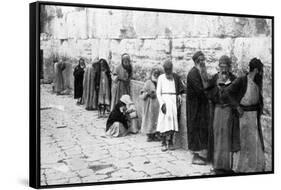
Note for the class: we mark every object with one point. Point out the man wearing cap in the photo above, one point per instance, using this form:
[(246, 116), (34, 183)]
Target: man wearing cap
[(197, 111), (169, 90), (224, 132)]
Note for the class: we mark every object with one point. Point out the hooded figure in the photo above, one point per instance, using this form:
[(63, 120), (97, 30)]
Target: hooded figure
[(91, 86), (62, 77), (104, 88), (78, 74), (150, 106), (121, 77)]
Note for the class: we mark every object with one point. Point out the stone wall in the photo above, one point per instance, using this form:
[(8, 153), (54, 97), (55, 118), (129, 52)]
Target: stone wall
[(151, 37)]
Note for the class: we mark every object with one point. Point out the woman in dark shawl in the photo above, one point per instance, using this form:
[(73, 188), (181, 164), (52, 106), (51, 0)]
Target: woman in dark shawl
[(104, 97), (78, 74), (121, 79), (90, 86), (117, 123)]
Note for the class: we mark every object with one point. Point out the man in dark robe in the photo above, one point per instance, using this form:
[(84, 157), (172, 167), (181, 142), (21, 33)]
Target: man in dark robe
[(78, 74), (224, 129), (245, 95), (197, 111)]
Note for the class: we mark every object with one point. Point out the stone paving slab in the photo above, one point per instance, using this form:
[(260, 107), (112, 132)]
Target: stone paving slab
[(75, 149)]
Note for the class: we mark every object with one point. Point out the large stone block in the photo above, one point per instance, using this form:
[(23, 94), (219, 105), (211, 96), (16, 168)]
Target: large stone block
[(149, 50), (102, 25), (136, 87), (129, 46), (104, 47), (95, 48), (247, 48), (77, 25), (145, 24), (113, 24), (184, 48), (83, 49), (58, 29), (175, 25)]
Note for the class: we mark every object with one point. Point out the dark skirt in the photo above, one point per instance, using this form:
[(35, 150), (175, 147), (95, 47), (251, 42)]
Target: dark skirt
[(78, 82)]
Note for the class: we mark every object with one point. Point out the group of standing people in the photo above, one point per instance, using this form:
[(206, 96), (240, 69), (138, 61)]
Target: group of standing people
[(223, 114), (98, 88), (223, 111)]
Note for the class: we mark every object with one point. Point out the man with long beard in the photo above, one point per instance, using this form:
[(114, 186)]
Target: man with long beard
[(224, 120), (197, 111)]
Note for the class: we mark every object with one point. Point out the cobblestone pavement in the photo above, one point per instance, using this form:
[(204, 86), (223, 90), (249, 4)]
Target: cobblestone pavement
[(74, 149)]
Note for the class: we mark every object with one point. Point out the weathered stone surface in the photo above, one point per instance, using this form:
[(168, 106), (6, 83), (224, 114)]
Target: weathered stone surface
[(80, 153), (247, 48), (146, 24)]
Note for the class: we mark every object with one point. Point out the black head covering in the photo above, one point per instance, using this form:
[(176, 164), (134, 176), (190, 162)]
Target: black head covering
[(225, 60), (168, 65), (197, 55), (117, 115), (256, 63)]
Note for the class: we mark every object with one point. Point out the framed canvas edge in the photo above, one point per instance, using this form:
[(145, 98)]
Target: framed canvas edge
[(34, 92)]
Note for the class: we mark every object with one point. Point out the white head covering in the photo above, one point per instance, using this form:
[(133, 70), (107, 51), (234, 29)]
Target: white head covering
[(126, 99)]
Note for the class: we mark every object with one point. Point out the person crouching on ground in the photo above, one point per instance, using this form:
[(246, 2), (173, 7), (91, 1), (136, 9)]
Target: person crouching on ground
[(150, 106), (122, 119), (169, 88)]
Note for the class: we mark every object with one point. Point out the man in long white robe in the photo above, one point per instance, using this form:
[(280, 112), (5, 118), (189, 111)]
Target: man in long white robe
[(168, 93)]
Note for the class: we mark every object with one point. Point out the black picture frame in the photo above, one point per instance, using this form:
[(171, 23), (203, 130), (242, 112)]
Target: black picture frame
[(34, 91)]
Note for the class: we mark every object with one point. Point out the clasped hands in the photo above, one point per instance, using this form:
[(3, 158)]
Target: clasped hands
[(150, 94)]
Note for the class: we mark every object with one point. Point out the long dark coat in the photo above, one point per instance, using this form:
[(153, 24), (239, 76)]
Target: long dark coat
[(213, 95), (179, 90), (78, 74), (197, 110)]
